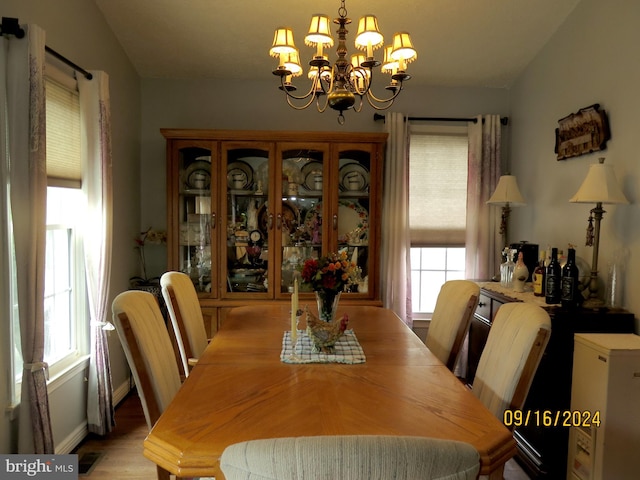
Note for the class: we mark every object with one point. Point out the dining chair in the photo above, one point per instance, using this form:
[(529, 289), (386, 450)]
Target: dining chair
[(186, 317), (149, 352), (350, 457), (450, 321), (518, 337)]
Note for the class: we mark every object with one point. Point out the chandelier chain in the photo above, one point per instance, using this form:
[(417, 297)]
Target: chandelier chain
[(342, 11)]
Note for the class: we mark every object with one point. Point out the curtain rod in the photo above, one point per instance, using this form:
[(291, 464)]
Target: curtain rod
[(10, 26), (503, 120)]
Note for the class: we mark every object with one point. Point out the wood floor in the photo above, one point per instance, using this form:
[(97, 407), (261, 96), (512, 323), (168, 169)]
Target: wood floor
[(120, 453)]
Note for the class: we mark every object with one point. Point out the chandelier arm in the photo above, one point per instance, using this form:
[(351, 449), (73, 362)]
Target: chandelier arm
[(299, 107), (359, 107), (296, 97), (372, 98)]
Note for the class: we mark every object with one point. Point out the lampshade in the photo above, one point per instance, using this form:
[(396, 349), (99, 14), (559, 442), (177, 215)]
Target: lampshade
[(389, 65), (368, 33), (403, 48), (507, 192), (282, 42), (291, 62), (600, 186), (319, 31)]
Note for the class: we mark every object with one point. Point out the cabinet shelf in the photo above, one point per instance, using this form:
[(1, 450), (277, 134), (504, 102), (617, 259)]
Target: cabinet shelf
[(215, 233)]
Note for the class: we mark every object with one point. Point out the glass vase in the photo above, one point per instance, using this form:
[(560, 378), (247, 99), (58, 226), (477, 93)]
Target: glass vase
[(327, 304)]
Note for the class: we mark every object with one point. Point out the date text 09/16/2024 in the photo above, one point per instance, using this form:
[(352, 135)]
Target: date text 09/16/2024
[(549, 418)]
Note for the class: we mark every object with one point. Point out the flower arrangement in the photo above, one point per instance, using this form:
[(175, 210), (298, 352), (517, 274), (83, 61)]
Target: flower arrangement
[(148, 236), (332, 272)]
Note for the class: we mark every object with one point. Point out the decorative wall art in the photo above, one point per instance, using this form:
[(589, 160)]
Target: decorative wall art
[(583, 132)]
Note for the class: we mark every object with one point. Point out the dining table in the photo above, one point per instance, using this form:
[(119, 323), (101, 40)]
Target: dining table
[(245, 387)]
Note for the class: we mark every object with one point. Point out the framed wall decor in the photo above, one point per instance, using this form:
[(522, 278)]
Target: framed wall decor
[(583, 132)]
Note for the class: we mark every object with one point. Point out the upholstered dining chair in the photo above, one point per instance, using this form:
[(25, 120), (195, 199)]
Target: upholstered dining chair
[(518, 337), (450, 321), (350, 457), (186, 317), (149, 352)]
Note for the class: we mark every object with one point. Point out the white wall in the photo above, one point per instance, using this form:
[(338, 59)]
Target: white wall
[(77, 30), (593, 58), (259, 105)]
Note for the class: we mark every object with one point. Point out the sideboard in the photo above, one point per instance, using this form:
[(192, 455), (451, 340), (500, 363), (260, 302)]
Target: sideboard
[(543, 450)]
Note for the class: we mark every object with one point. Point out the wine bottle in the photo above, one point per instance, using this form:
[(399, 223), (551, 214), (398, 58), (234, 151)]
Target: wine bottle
[(538, 276), (569, 284), (553, 279)]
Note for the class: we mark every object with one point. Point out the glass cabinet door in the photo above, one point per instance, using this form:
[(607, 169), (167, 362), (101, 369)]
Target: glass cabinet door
[(249, 218), (196, 214), (353, 226), (303, 170)]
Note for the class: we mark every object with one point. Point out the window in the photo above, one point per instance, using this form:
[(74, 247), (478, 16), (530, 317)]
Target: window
[(65, 305), (64, 293), (437, 211)]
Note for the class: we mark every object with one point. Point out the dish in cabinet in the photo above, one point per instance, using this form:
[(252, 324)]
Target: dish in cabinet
[(239, 175)]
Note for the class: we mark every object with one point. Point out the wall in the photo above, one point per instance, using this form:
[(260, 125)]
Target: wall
[(77, 30), (593, 58), (259, 105)]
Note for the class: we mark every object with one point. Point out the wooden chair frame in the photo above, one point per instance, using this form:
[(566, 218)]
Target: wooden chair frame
[(462, 331), (145, 382), (530, 367)]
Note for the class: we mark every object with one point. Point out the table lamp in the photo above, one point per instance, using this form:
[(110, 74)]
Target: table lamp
[(507, 194), (600, 186)]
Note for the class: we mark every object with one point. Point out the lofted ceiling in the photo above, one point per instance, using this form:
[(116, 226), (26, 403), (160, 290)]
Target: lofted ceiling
[(460, 43)]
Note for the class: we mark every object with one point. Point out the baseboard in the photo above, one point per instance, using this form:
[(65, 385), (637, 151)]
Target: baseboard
[(76, 437), (121, 392), (73, 440)]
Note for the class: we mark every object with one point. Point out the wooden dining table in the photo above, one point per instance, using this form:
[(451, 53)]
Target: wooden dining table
[(241, 390)]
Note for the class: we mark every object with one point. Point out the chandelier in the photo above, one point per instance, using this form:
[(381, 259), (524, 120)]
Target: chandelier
[(343, 85)]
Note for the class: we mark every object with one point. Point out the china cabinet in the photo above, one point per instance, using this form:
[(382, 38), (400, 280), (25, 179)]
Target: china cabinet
[(246, 208)]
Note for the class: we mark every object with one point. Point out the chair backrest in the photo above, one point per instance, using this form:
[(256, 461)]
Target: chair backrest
[(356, 457), (148, 349), (517, 339), (186, 316), (450, 321)]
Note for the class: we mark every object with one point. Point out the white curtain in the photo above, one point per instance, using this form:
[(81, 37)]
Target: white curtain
[(482, 237), (395, 278), (95, 120), (25, 181)]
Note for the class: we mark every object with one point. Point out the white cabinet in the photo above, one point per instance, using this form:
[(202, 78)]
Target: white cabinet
[(604, 421)]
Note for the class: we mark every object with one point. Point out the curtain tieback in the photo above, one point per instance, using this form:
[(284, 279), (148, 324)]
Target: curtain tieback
[(34, 367)]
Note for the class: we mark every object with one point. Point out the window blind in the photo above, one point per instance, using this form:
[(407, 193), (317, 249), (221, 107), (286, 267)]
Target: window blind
[(63, 135), (438, 187)]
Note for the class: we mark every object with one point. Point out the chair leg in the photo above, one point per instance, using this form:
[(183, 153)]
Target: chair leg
[(162, 473)]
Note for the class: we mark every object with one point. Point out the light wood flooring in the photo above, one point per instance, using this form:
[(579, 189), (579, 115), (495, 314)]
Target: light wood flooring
[(120, 453)]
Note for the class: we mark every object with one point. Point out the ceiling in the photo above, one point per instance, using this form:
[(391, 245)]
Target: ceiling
[(460, 43)]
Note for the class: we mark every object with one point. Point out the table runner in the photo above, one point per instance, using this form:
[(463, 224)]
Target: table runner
[(347, 350)]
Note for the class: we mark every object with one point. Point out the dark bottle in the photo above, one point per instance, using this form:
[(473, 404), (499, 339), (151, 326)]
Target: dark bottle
[(553, 278), (569, 293), (538, 276)]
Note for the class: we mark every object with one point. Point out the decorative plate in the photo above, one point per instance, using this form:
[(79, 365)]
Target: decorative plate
[(197, 176), (353, 221), (310, 171), (290, 215), (354, 177), (239, 175)]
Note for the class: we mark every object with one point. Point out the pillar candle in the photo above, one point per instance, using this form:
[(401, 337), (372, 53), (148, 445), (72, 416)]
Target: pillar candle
[(294, 312)]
